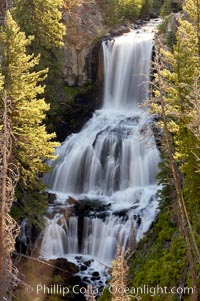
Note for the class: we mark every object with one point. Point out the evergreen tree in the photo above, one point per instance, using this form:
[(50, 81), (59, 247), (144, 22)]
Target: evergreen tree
[(194, 99), (166, 8), (177, 104), (146, 8), (118, 10), (32, 145), (167, 114), (185, 66), (43, 20)]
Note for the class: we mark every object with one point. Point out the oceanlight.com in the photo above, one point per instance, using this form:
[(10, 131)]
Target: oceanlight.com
[(152, 291)]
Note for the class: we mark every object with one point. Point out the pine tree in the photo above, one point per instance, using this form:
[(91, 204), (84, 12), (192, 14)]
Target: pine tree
[(163, 106), (194, 116), (146, 8), (43, 20), (177, 71), (118, 10), (185, 66), (166, 8), (32, 145)]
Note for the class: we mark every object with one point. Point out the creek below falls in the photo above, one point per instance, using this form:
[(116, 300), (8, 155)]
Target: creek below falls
[(105, 176)]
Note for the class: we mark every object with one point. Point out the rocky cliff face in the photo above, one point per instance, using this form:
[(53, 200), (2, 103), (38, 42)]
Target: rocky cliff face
[(85, 24), (4, 6)]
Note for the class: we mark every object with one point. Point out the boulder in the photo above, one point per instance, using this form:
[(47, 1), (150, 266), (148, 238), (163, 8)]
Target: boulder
[(120, 30), (51, 197), (64, 264), (72, 201)]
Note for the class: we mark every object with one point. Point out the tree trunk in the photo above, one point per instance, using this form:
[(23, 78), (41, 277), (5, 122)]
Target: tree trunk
[(3, 188)]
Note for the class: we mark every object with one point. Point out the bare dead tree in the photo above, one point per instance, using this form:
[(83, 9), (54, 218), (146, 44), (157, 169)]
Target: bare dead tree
[(132, 237), (119, 277), (8, 179), (90, 295)]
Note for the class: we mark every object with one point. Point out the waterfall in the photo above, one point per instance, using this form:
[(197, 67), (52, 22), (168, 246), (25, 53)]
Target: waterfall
[(108, 155), (126, 66), (100, 237), (110, 166)]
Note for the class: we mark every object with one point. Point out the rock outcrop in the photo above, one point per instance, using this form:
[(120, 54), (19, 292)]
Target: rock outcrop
[(85, 24), (4, 6)]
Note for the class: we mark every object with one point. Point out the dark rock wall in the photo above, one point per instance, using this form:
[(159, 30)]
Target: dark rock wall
[(85, 26)]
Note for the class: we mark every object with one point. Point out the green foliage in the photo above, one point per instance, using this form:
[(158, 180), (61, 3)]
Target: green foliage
[(169, 35), (177, 83), (170, 6), (156, 7), (106, 296), (171, 39), (178, 73), (162, 28), (119, 10), (185, 66), (146, 8), (161, 257), (72, 92), (166, 8), (32, 204), (42, 19), (32, 144), (77, 101)]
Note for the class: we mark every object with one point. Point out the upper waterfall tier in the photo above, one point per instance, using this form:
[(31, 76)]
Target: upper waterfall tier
[(127, 62)]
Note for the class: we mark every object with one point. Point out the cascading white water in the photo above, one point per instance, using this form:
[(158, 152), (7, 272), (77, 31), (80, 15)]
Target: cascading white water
[(126, 65), (99, 238), (108, 155), (113, 160)]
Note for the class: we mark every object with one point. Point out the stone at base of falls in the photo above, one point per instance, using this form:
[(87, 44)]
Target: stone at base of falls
[(51, 197), (83, 268), (49, 276), (81, 260), (68, 279), (64, 264), (73, 201), (95, 274)]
